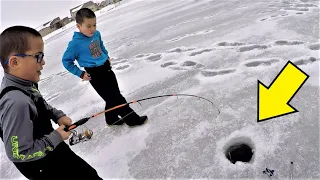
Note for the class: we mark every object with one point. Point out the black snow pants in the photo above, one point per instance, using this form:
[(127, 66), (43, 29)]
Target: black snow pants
[(62, 164), (105, 83)]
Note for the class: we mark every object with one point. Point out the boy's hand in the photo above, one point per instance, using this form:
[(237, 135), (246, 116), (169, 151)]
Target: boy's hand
[(64, 120), (86, 77), (65, 135)]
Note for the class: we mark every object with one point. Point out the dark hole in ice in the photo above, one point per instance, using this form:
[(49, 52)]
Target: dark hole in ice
[(239, 152)]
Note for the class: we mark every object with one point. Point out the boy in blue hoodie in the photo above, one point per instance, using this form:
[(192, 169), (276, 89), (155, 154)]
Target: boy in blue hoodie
[(87, 48)]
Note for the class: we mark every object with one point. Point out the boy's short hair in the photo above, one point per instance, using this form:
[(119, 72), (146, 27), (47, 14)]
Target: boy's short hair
[(84, 13), (15, 39)]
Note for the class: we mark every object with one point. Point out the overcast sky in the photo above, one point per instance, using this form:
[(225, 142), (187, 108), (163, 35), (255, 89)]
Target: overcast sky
[(33, 13)]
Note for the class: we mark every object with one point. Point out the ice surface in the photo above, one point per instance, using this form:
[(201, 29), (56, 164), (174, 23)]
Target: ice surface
[(214, 49)]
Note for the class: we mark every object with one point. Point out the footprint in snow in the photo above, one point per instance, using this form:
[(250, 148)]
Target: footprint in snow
[(287, 43), (306, 5), (154, 58), (261, 63), (199, 66), (191, 64), (217, 72), (297, 9), (230, 44), (180, 50), (184, 64), (168, 64), (283, 15), (200, 52), (129, 44), (252, 47), (188, 63), (177, 68), (304, 61), (300, 11), (122, 67), (118, 62), (263, 19), (141, 55), (273, 16), (314, 46)]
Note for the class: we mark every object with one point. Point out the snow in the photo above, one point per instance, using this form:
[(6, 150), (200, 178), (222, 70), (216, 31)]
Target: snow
[(214, 49)]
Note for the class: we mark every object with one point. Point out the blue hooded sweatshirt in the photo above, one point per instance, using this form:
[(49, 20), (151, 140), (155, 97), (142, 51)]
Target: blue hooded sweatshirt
[(88, 51)]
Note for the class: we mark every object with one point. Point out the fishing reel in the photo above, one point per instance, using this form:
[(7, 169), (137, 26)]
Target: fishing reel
[(80, 137)]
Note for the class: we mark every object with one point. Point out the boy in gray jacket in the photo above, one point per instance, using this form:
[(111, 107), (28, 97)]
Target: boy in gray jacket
[(35, 148)]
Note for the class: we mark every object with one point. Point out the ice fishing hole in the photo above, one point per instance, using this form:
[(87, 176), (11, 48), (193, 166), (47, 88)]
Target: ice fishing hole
[(239, 151)]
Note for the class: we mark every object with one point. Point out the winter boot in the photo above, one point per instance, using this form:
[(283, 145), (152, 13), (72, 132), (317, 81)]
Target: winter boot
[(139, 121)]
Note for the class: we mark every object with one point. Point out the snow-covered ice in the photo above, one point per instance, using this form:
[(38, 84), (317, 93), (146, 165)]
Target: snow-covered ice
[(215, 49)]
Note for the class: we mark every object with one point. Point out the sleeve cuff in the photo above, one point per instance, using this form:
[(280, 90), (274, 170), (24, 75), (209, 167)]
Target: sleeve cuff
[(57, 116), (55, 138), (82, 74)]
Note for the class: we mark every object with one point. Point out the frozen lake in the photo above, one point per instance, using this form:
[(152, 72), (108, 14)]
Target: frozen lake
[(214, 49)]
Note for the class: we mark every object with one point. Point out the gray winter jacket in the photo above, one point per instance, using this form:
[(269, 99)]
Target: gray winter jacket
[(16, 113)]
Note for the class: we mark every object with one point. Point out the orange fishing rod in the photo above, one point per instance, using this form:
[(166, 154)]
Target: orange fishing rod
[(84, 120)]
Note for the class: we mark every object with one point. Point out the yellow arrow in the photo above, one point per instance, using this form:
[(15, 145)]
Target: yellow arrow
[(273, 101)]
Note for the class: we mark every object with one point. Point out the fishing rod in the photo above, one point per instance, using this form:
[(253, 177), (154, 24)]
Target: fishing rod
[(84, 120)]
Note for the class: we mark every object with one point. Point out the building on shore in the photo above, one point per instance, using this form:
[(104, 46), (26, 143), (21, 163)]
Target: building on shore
[(105, 3), (91, 5), (58, 23), (53, 25)]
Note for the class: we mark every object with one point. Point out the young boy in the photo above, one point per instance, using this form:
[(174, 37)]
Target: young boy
[(87, 48), (35, 148)]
